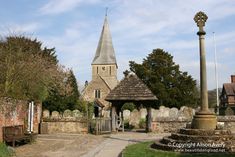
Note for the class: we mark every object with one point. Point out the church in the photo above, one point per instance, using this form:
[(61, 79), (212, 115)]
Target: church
[(104, 72)]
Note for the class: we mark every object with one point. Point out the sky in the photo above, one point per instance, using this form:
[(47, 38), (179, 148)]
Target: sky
[(73, 27)]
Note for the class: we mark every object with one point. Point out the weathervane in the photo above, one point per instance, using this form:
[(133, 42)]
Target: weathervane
[(106, 11)]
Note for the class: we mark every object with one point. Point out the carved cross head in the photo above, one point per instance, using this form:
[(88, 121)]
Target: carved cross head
[(200, 18)]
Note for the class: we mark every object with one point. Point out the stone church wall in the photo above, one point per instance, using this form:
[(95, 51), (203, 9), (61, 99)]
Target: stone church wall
[(89, 94)]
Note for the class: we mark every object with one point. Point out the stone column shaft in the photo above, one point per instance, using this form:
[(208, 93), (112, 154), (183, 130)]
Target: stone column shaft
[(203, 78)]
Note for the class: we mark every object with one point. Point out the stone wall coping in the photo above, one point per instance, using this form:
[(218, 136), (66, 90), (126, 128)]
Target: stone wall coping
[(169, 120), (226, 118), (220, 119), (65, 120)]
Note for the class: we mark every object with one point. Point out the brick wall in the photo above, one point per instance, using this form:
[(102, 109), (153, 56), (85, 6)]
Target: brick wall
[(15, 112)]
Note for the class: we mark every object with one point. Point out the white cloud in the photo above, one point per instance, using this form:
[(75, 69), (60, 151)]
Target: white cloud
[(26, 28), (60, 6), (137, 27)]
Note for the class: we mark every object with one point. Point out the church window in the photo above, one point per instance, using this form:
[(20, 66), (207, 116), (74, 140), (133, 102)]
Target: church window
[(97, 93), (110, 70), (97, 70)]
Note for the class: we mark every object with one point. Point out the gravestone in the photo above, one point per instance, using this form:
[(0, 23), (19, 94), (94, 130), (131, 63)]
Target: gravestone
[(106, 114), (155, 114), (185, 113), (77, 114), (164, 112), (173, 113), (135, 118), (126, 115), (55, 115), (67, 114), (46, 114), (143, 113), (229, 111)]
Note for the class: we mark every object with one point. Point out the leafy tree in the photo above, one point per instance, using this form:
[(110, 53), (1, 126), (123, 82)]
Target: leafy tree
[(65, 97), (128, 106), (212, 97), (27, 70), (172, 87)]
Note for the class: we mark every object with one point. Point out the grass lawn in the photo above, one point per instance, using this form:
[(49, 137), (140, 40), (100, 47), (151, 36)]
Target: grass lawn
[(4, 151), (143, 150)]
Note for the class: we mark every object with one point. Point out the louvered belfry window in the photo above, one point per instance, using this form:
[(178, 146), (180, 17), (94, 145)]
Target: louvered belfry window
[(97, 93)]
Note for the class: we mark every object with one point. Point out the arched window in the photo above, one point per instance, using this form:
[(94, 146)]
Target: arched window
[(97, 93), (97, 69)]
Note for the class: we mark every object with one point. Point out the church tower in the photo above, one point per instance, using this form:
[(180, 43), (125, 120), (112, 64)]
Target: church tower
[(104, 71), (104, 63)]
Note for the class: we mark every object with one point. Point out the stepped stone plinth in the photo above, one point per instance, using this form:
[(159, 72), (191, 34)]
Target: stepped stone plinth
[(198, 141)]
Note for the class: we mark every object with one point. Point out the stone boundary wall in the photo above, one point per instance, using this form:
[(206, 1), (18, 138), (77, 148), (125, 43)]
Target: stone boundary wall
[(163, 114), (227, 122), (15, 112), (66, 122), (170, 120), (170, 125), (78, 127)]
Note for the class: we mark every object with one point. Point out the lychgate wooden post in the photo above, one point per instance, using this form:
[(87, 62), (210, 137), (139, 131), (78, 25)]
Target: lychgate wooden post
[(149, 119), (113, 118)]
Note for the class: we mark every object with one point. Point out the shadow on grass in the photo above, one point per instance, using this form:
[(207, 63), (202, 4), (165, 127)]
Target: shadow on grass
[(143, 150)]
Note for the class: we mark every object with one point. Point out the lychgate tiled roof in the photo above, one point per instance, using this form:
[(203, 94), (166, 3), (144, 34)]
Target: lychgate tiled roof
[(131, 88), (229, 88)]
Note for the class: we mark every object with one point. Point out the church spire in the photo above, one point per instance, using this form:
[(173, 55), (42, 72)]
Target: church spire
[(105, 52)]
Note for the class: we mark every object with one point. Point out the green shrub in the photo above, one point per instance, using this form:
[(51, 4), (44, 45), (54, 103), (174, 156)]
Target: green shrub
[(127, 125), (142, 123), (128, 106), (4, 152)]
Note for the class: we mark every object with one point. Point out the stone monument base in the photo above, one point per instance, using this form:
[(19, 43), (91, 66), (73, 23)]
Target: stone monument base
[(198, 141), (206, 121)]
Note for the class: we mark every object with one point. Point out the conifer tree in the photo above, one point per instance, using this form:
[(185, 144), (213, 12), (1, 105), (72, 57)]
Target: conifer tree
[(172, 87)]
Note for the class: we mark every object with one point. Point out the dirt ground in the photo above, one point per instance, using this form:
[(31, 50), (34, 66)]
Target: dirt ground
[(59, 145)]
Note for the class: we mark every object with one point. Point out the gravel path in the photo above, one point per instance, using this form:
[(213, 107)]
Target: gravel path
[(77, 145), (59, 145)]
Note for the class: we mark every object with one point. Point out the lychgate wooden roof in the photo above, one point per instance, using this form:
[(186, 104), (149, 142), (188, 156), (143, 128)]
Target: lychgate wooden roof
[(131, 88)]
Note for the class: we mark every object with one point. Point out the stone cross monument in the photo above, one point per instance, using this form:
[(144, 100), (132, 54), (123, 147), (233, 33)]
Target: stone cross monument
[(204, 119)]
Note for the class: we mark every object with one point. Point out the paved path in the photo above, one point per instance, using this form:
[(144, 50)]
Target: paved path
[(113, 145)]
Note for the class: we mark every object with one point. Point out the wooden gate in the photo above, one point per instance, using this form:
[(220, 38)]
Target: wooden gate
[(100, 126)]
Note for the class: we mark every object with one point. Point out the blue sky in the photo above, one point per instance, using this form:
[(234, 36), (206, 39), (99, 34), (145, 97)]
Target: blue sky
[(73, 27)]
